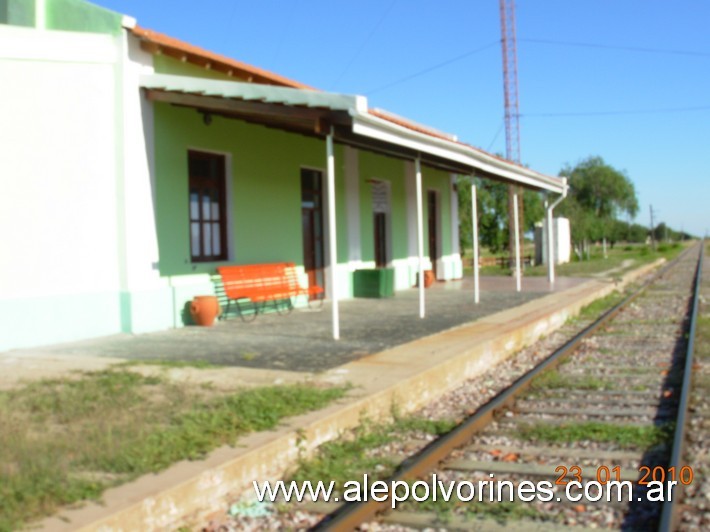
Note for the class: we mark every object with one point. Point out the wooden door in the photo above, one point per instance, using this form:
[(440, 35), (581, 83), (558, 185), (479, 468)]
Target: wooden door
[(312, 225), (380, 226), (433, 226)]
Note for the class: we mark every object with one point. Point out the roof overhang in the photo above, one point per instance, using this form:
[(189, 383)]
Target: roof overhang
[(480, 162), (348, 117), (160, 44)]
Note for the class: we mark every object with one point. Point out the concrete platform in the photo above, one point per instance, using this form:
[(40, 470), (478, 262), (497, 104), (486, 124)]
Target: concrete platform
[(407, 375), (302, 340)]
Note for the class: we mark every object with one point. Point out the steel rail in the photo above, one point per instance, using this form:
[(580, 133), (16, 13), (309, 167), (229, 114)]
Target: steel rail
[(669, 513), (352, 514)]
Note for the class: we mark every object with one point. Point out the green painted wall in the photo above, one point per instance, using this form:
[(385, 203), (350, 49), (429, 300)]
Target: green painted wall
[(383, 168), (78, 15), (66, 15), (168, 65), (265, 188), (17, 12)]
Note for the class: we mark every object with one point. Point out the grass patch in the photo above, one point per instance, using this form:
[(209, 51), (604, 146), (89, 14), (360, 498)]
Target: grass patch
[(68, 440), (436, 427), (702, 337), (350, 456), (500, 511), (549, 380), (554, 380), (626, 436), (597, 307), (504, 511), (616, 256), (347, 458), (165, 363)]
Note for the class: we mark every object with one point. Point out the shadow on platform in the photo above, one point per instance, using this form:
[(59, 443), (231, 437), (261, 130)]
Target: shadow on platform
[(302, 341)]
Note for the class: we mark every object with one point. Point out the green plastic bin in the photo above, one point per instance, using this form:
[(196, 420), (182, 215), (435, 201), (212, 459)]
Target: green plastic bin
[(377, 282)]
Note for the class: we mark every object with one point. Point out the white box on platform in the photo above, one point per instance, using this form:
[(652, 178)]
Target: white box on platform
[(562, 251)]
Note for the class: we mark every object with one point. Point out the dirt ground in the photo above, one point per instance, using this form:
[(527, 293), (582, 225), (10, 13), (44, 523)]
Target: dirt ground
[(16, 370)]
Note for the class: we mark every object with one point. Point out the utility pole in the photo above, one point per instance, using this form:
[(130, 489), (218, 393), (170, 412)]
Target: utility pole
[(512, 112)]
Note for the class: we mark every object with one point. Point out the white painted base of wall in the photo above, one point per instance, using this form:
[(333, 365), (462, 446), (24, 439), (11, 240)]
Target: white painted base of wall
[(449, 267), (147, 310), (48, 320), (37, 321)]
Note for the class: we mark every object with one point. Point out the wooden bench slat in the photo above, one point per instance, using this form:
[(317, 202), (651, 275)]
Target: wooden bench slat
[(261, 283)]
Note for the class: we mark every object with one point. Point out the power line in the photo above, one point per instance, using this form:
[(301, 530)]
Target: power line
[(620, 112), (495, 137), (288, 24), (433, 67), (542, 41), (615, 47), (364, 42)]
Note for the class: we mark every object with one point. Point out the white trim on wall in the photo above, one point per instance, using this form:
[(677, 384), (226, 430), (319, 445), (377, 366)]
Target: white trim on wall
[(411, 195), (352, 204), (454, 218)]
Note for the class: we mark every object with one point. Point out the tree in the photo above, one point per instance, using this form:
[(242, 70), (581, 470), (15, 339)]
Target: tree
[(599, 193), (493, 212)]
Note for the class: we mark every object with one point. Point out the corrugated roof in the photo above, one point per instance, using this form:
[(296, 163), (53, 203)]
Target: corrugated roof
[(252, 92), (390, 117), (421, 140), (288, 107), (157, 42)]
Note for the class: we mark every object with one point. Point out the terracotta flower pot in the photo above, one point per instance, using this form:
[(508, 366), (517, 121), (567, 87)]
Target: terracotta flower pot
[(204, 309), (428, 278)]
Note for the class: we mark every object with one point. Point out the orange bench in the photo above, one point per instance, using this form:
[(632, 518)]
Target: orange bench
[(262, 284)]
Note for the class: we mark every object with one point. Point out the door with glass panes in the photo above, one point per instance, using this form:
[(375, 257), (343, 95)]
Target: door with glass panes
[(312, 226)]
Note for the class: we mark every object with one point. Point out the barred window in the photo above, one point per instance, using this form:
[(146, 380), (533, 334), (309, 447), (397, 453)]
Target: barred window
[(208, 217)]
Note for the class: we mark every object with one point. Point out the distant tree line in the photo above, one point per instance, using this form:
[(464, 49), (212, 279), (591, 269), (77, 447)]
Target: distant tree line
[(599, 198)]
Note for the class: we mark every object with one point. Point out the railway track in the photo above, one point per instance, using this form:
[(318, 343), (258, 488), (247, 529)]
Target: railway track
[(601, 405), (608, 412), (693, 512)]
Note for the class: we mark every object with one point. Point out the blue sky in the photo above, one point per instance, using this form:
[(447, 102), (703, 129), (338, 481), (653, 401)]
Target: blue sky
[(654, 105)]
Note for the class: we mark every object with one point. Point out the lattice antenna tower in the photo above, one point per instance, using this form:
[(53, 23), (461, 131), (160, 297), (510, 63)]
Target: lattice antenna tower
[(510, 80), (512, 111)]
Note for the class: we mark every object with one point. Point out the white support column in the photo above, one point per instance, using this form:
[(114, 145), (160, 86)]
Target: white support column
[(40, 15), (332, 242), (517, 243), (550, 248), (420, 235), (474, 222)]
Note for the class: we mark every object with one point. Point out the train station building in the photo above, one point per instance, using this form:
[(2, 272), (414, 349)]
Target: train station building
[(134, 164)]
